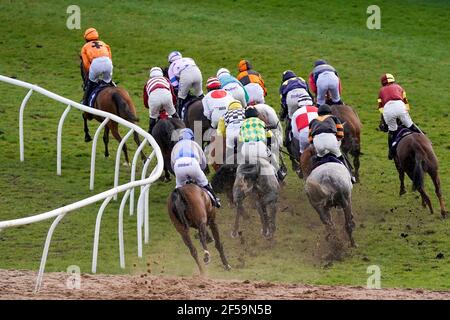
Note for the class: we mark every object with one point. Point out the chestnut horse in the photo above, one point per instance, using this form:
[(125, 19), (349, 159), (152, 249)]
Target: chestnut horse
[(351, 143), (415, 156), (118, 102), (190, 206)]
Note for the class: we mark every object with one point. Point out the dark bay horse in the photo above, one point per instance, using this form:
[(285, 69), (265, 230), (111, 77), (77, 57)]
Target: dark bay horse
[(117, 101), (351, 143), (164, 134), (191, 207), (415, 157)]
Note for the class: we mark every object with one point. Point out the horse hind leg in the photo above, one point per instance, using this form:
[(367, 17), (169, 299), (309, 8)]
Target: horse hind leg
[(349, 224), (264, 219), (437, 189), (426, 202), (106, 141), (87, 136), (218, 244), (401, 177), (116, 135), (138, 143), (188, 242), (202, 233)]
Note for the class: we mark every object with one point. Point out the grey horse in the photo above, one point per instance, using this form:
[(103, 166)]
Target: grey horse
[(259, 181), (328, 186)]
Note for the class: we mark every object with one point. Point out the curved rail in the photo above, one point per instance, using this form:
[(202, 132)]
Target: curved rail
[(143, 184)]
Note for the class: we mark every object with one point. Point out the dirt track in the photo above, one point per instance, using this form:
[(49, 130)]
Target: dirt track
[(20, 285)]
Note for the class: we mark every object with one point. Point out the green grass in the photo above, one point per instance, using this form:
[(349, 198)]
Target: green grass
[(412, 44)]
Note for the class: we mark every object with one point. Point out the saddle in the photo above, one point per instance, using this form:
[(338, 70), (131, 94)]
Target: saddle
[(190, 99), (100, 86), (329, 157), (403, 132)]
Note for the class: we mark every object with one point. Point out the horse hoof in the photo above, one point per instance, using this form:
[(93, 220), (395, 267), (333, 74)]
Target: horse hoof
[(227, 267), (106, 155), (444, 214), (206, 258), (234, 234), (353, 244), (87, 139), (126, 164), (167, 179), (402, 192)]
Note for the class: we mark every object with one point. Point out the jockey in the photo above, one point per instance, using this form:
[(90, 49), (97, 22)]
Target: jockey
[(158, 95), (184, 75), (252, 81), (300, 124), (233, 86), (294, 93), (229, 127), (188, 161), (393, 105), (256, 141), (216, 101), (326, 133), (96, 62), (324, 79)]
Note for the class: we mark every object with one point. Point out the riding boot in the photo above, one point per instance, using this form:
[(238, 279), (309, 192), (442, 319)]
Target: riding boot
[(347, 165), (180, 103), (201, 96), (391, 135), (415, 128), (287, 134), (216, 200), (339, 102), (87, 91), (151, 125)]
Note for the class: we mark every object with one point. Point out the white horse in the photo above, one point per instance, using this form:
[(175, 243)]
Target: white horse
[(329, 185)]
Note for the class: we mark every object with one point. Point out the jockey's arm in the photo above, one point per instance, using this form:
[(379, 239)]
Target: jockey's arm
[(203, 162), (339, 129), (145, 97), (312, 84), (221, 129), (206, 111), (405, 100)]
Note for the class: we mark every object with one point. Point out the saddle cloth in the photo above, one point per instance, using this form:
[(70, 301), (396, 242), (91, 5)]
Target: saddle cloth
[(329, 157), (102, 85), (403, 132)]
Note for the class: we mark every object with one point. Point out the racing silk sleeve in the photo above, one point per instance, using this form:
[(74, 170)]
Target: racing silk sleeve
[(85, 58), (221, 129), (201, 154), (172, 76), (294, 128), (339, 128), (310, 136), (247, 97), (312, 84), (405, 100), (145, 96), (206, 110), (172, 91)]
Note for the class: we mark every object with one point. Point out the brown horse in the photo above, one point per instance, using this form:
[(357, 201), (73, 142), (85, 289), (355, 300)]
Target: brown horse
[(118, 102), (415, 156), (190, 206), (351, 143)]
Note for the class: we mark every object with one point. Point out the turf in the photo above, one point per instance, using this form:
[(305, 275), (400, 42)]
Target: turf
[(394, 233)]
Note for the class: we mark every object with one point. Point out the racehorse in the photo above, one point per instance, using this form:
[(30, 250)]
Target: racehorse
[(190, 206), (117, 101), (259, 181), (414, 156), (163, 132), (327, 186), (351, 143)]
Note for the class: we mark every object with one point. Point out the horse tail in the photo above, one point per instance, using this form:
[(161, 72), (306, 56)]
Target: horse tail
[(179, 207), (418, 173), (123, 110)]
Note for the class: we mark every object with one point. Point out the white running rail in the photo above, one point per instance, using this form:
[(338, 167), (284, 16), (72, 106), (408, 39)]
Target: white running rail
[(144, 183)]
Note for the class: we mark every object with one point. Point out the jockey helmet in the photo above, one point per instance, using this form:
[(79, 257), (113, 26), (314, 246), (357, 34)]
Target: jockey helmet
[(288, 74), (156, 72), (244, 65), (212, 83), (235, 105), (222, 71), (386, 79), (251, 112), (320, 62), (324, 110), (174, 55), (91, 34), (186, 134)]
